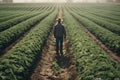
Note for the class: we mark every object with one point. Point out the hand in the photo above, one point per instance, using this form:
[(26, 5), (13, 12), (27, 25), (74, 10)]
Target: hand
[(54, 36), (65, 37)]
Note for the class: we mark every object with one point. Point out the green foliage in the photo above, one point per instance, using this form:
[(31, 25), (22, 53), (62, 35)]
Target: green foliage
[(17, 62), (10, 16), (102, 22), (91, 61), (7, 24), (13, 33), (110, 39)]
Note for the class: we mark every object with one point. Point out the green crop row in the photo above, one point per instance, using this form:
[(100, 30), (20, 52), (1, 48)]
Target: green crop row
[(16, 64), (11, 22), (102, 9), (109, 7), (10, 35), (110, 39), (20, 10), (11, 16), (5, 13), (24, 7), (107, 17), (14, 7), (14, 21), (14, 14), (91, 61), (100, 21), (98, 11)]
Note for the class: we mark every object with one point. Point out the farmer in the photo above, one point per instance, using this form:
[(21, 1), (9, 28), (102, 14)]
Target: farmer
[(59, 34)]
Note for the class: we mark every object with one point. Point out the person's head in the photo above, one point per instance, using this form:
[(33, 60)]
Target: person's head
[(59, 20)]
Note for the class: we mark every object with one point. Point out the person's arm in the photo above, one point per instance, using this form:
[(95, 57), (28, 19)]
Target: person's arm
[(64, 31), (55, 31)]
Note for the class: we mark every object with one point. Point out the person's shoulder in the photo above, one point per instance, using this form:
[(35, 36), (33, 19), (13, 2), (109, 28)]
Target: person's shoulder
[(62, 25), (56, 25)]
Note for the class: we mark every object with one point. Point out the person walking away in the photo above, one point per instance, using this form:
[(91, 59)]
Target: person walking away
[(59, 34)]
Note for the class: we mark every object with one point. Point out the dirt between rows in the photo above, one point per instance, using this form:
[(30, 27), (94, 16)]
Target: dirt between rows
[(54, 67)]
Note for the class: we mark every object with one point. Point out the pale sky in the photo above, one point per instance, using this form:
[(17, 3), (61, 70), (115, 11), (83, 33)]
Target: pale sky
[(55, 0), (39, 0)]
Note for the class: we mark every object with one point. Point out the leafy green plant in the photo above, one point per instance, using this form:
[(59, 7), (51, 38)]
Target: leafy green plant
[(11, 34), (17, 62), (110, 39), (91, 61)]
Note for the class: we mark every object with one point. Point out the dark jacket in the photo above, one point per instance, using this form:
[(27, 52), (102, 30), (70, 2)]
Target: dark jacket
[(59, 31)]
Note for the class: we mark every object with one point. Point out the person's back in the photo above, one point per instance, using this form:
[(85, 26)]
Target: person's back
[(59, 30), (59, 33)]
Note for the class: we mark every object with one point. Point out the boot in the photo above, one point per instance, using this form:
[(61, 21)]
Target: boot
[(61, 51), (57, 52)]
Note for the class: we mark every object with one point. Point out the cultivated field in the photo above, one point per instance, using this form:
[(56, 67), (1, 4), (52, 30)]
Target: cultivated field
[(91, 50)]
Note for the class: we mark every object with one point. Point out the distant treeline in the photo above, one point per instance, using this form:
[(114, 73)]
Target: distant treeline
[(6, 1)]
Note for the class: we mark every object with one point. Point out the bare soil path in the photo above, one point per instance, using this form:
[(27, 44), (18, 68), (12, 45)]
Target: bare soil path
[(53, 67)]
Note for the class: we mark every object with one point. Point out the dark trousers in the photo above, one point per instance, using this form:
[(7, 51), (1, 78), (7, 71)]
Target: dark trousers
[(59, 44)]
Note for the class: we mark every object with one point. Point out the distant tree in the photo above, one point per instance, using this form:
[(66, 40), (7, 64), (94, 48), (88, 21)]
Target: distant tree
[(113, 0), (117, 1), (7, 1)]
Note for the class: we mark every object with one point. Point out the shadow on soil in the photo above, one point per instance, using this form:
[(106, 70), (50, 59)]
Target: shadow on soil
[(63, 61)]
